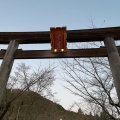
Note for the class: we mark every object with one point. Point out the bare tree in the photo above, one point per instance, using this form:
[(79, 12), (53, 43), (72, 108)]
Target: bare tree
[(91, 80), (26, 79)]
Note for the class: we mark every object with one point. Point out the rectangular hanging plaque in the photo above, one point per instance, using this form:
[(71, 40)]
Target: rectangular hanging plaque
[(58, 37)]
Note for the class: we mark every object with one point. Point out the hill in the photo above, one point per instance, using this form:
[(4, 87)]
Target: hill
[(32, 106)]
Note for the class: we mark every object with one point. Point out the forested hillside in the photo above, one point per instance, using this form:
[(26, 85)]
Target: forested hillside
[(32, 106)]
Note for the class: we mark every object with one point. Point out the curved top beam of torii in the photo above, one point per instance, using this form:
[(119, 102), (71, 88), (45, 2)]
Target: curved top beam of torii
[(85, 35)]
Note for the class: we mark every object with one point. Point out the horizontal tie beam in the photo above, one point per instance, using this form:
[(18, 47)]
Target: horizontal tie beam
[(71, 53)]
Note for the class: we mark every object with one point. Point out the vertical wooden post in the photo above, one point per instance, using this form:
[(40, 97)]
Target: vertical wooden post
[(114, 61), (6, 66)]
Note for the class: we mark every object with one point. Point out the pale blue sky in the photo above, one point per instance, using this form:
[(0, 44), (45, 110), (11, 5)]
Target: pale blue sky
[(40, 15)]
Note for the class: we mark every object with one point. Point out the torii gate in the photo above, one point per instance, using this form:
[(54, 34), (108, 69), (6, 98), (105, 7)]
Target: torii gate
[(108, 35)]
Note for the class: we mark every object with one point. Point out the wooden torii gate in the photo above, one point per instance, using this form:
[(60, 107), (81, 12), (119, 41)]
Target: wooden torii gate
[(108, 35)]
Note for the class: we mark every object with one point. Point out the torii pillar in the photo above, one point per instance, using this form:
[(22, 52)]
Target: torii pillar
[(114, 61), (6, 66)]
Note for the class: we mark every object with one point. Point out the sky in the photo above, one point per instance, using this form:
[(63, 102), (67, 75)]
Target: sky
[(40, 15)]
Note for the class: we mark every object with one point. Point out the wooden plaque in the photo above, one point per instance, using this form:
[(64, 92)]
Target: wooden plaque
[(58, 37)]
